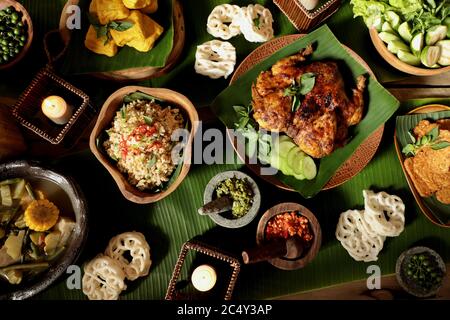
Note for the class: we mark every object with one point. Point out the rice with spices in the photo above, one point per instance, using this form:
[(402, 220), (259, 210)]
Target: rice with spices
[(140, 141)]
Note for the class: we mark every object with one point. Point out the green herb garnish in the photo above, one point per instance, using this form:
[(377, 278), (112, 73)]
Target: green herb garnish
[(431, 139), (148, 120), (151, 162), (103, 30), (298, 90)]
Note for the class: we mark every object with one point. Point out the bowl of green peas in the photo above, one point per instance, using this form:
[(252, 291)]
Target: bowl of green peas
[(420, 271), (16, 33)]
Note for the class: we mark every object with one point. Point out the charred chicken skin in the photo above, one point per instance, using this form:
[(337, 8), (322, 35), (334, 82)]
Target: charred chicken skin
[(320, 124)]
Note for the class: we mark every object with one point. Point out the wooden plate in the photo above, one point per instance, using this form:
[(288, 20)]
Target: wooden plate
[(397, 63), (288, 264), (26, 19), (419, 200), (140, 73), (358, 161), (105, 118)]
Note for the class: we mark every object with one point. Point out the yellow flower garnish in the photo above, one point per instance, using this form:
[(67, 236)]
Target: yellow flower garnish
[(41, 215)]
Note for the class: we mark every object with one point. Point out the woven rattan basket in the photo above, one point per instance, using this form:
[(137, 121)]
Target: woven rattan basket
[(304, 19)]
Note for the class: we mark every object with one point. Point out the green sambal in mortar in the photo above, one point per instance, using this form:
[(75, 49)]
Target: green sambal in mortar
[(240, 191)]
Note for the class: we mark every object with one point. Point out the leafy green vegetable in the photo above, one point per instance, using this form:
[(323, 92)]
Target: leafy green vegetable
[(138, 95), (103, 30), (431, 139), (296, 91), (148, 120)]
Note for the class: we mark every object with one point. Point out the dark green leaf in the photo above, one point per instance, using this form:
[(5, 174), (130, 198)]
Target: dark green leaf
[(295, 103), (148, 120), (307, 82), (121, 25), (440, 145), (424, 140), (102, 32), (240, 109), (123, 112), (138, 95), (433, 134)]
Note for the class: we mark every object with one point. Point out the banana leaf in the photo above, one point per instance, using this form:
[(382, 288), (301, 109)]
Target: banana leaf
[(405, 124), (380, 104), (80, 60)]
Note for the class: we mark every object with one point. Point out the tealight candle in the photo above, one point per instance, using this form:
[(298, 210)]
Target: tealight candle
[(204, 278), (56, 109)]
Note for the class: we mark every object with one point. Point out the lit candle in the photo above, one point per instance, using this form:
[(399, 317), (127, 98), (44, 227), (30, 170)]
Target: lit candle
[(204, 278), (56, 109)]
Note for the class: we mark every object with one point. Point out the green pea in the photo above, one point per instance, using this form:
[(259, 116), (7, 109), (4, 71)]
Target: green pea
[(422, 257)]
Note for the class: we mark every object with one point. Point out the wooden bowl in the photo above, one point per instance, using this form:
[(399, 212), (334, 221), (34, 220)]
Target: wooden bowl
[(362, 155), (139, 73), (289, 264), (26, 19), (105, 118), (419, 200), (397, 63)]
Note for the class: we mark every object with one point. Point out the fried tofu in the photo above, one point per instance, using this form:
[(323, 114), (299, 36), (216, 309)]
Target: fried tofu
[(141, 36), (136, 4), (99, 45), (430, 169), (151, 8), (109, 10)]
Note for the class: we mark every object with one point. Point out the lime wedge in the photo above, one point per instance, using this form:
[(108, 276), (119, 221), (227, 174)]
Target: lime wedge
[(430, 56), (405, 32), (408, 58)]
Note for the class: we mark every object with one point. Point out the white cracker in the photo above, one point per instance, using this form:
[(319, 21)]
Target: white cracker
[(139, 250), (215, 59), (252, 31), (385, 213), (357, 237), (221, 21), (103, 279)]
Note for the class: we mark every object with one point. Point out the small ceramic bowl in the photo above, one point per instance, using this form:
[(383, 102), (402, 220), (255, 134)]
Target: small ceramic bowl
[(26, 19), (220, 219), (66, 194), (407, 284), (105, 118), (310, 253)]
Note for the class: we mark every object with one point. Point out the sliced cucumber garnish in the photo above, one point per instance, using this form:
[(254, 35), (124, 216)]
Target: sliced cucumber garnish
[(408, 58), (388, 36), (417, 43), (396, 45), (393, 19), (404, 31), (430, 56), (386, 27), (444, 59), (309, 168), (435, 34)]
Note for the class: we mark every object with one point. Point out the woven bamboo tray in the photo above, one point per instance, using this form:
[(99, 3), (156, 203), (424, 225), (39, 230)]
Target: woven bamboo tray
[(304, 19)]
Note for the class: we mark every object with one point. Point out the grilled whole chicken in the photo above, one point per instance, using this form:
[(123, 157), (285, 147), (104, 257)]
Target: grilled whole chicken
[(321, 122)]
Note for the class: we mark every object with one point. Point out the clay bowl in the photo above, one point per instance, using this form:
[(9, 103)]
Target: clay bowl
[(26, 19), (66, 194), (408, 285), (311, 252), (426, 210), (104, 120), (222, 220), (392, 59)]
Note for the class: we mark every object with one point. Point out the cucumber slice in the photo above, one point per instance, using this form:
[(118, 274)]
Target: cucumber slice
[(417, 43), (285, 168), (275, 160), (435, 34), (408, 58), (309, 168), (285, 147), (386, 27), (430, 56), (295, 160), (393, 19), (299, 176), (444, 59), (387, 36), (396, 45), (19, 189), (405, 32)]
